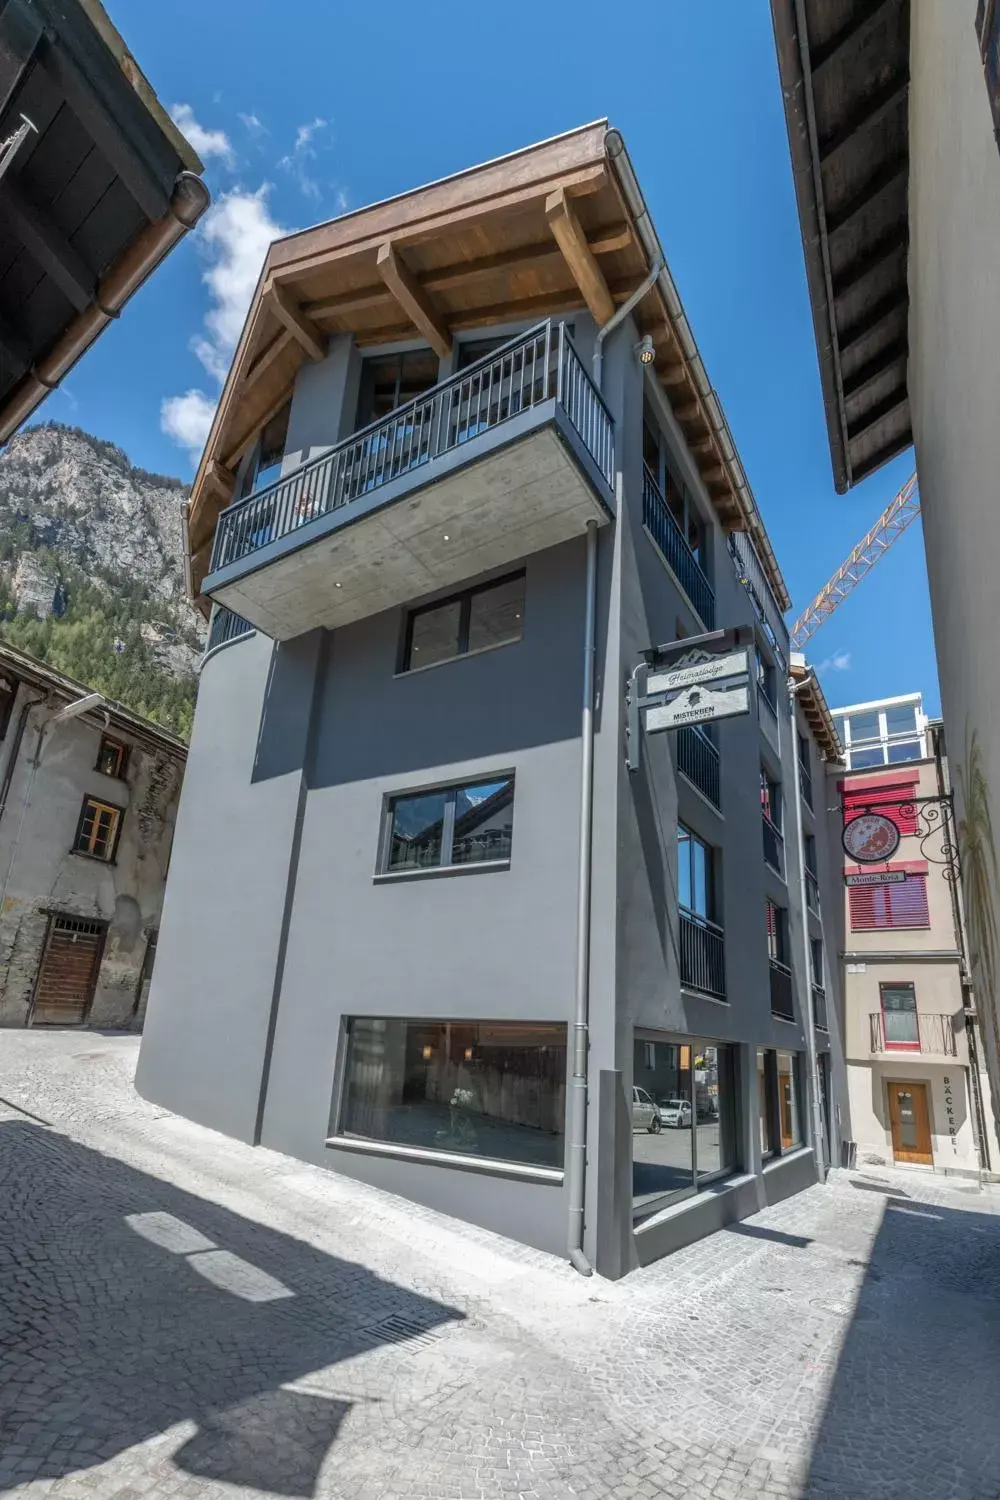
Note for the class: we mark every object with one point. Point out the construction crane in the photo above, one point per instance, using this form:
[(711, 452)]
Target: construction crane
[(889, 527)]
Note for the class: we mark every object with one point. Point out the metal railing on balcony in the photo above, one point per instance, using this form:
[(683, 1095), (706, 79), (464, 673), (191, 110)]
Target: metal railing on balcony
[(702, 954), (767, 704), (536, 367), (750, 572), (774, 845), (913, 1031), (819, 1007), (698, 760), (812, 891), (782, 1003), (806, 784), (226, 626), (670, 539)]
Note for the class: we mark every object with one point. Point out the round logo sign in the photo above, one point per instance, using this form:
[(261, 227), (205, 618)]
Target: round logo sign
[(870, 838)]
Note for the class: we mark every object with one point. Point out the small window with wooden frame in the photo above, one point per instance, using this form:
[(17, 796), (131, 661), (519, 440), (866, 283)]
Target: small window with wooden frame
[(112, 758), (98, 831)]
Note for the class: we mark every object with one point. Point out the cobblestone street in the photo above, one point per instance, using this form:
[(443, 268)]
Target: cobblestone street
[(184, 1316)]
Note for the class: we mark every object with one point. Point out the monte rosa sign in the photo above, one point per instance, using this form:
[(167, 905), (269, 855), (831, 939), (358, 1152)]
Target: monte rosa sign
[(876, 877)]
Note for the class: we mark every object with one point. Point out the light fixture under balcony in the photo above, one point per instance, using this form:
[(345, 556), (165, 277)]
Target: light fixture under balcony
[(646, 349)]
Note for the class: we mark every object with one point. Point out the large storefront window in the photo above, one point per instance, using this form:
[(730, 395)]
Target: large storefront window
[(692, 1138), (479, 1088)]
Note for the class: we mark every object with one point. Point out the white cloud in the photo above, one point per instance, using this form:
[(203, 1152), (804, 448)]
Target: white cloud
[(840, 661), (233, 237), (341, 201), (207, 143), (187, 420), (305, 133), (254, 124)]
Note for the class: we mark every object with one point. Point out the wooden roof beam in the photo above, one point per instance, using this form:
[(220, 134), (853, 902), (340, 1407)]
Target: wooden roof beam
[(875, 368), (885, 250), (866, 115), (860, 24), (47, 244), (265, 359), (302, 329), (578, 256), (412, 298), (887, 176), (886, 308)]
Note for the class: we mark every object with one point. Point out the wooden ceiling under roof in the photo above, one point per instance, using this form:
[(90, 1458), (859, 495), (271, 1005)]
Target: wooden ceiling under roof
[(536, 234), (845, 76)]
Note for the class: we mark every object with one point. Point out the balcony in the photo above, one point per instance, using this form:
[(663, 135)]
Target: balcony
[(673, 547), (698, 760), (812, 891), (226, 627), (781, 991), (702, 955), (750, 572), (913, 1032), (774, 846), (514, 454), (819, 1008)]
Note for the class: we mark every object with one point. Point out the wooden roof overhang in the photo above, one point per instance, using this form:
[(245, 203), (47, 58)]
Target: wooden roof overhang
[(812, 701), (536, 234), (844, 67), (96, 186)]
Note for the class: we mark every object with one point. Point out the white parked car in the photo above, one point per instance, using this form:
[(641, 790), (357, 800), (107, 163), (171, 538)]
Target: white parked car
[(645, 1115), (676, 1113)]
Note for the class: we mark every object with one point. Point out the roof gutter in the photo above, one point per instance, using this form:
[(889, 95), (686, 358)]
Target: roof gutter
[(618, 156), (188, 202)]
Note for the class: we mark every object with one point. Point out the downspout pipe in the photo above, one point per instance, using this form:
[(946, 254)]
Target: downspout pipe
[(576, 1103), (816, 1107), (621, 313)]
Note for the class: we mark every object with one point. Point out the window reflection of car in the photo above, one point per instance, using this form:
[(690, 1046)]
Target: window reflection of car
[(645, 1115), (676, 1113)]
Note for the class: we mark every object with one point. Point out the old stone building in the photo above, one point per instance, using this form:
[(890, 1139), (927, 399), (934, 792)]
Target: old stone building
[(88, 797)]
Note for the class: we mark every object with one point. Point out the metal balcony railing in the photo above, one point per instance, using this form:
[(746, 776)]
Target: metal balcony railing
[(806, 784), (698, 759), (913, 1031), (750, 572), (667, 535), (781, 991), (812, 891), (774, 845), (226, 626), (819, 1007), (702, 954), (533, 368), (766, 703)]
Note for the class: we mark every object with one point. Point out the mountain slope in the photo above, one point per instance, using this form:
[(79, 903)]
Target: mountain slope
[(91, 572)]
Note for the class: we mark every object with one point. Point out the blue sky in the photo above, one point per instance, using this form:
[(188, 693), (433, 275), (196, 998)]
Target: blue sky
[(308, 109)]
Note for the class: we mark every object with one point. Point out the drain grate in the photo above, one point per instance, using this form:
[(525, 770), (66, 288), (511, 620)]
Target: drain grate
[(400, 1329)]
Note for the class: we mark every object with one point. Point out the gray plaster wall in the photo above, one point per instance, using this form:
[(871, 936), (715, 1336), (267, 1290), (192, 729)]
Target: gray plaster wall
[(497, 944), (953, 378), (40, 875), (207, 1025)]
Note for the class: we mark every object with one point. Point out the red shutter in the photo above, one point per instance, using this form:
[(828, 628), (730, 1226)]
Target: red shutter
[(895, 802), (862, 903), (879, 906)]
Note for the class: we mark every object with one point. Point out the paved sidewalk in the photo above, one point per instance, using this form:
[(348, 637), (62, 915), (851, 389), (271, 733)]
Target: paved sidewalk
[(184, 1316)]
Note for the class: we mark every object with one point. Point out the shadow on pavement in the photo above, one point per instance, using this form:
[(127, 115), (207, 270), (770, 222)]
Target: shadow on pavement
[(129, 1306), (912, 1407)]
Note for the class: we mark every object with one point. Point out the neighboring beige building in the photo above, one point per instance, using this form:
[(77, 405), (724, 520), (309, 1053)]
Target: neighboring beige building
[(893, 114), (88, 798), (917, 1091)]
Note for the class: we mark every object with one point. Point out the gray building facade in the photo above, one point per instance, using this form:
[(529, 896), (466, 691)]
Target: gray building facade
[(382, 933)]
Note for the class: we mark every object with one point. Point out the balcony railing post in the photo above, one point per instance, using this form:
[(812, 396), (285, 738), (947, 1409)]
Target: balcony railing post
[(560, 364)]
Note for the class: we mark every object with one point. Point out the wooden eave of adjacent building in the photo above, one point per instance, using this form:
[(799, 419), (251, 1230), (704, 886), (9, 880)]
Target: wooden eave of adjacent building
[(97, 186), (844, 67), (541, 233), (812, 701)]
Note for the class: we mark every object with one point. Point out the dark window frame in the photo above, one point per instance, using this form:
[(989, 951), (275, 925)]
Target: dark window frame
[(780, 934), (102, 804), (7, 699), (124, 751), (771, 1112), (385, 871), (463, 598), (684, 833), (730, 1101)]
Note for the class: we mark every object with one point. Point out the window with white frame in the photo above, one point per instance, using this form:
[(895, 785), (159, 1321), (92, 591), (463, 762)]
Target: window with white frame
[(879, 734)]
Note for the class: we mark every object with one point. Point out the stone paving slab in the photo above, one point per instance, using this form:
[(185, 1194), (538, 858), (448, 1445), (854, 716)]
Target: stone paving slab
[(183, 1316)]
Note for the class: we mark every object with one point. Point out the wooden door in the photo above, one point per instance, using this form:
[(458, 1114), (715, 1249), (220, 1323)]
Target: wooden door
[(910, 1120), (67, 974)]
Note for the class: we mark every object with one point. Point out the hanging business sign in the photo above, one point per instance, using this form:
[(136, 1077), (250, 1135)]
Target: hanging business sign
[(697, 705), (870, 838), (698, 680), (705, 669), (876, 877)]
